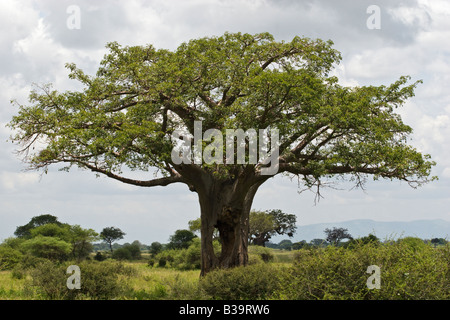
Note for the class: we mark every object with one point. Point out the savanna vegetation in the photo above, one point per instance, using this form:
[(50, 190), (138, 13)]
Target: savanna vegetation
[(34, 266)]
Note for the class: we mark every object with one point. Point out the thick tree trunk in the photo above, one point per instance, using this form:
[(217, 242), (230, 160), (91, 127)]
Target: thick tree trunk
[(226, 208)]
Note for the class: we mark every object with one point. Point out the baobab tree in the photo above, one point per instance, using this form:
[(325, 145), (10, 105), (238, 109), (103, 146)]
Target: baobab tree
[(127, 115)]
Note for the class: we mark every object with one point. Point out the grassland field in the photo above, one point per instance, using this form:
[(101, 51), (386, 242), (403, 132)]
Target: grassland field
[(327, 273)]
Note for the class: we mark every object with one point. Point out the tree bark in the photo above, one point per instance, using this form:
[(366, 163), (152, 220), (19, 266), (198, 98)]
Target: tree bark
[(225, 206)]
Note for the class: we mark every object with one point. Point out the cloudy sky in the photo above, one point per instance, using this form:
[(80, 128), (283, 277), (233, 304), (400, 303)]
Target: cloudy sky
[(39, 37)]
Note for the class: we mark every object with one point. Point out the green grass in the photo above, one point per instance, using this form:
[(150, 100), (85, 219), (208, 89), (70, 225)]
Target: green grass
[(162, 283), (11, 288), (282, 256), (147, 284)]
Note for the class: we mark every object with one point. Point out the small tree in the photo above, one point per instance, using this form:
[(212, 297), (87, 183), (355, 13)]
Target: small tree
[(110, 235), (285, 244), (45, 228), (181, 239), (318, 242), (134, 249), (438, 241), (370, 239), (265, 224), (155, 248), (299, 245), (122, 254), (81, 240), (335, 235)]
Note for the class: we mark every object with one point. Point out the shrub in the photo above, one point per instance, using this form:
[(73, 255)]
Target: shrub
[(181, 239), (190, 258), (162, 262), (47, 247), (127, 252), (254, 259), (49, 281), (183, 259), (258, 281), (13, 242), (151, 262), (362, 241), (104, 280), (134, 249), (408, 271), (99, 280), (9, 257), (413, 243), (265, 254), (99, 256), (155, 248), (27, 263), (121, 254)]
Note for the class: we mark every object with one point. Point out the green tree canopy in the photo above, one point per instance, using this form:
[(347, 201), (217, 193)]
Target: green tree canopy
[(24, 231), (51, 248), (335, 235), (61, 231), (265, 224), (125, 116), (44, 227), (196, 227), (81, 241), (110, 235), (155, 248), (181, 239), (285, 244)]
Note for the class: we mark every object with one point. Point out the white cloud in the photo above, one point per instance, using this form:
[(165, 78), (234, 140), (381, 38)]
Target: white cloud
[(417, 16), (18, 181), (385, 63), (446, 172)]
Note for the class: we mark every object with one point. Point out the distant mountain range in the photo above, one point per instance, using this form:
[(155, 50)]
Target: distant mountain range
[(424, 229)]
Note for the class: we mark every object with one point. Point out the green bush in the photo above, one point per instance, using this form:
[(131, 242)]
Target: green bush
[(413, 243), (265, 254), (121, 254), (99, 280), (26, 263), (134, 250), (190, 258), (372, 239), (9, 257), (104, 280), (162, 262), (99, 256), (252, 282), (48, 281), (13, 242), (151, 262), (47, 247), (183, 259), (409, 270), (127, 252)]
